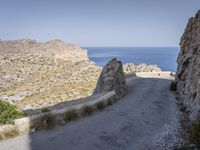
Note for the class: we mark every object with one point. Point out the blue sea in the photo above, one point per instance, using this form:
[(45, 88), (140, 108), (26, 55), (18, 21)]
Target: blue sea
[(164, 57)]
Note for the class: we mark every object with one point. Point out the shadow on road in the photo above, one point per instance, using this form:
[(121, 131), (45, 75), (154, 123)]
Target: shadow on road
[(134, 122)]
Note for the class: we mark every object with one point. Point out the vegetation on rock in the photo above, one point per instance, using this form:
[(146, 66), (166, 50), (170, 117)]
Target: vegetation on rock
[(173, 86), (87, 110), (70, 115), (47, 122), (195, 133), (45, 110), (100, 105)]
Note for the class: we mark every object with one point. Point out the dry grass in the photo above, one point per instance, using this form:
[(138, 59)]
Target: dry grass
[(1, 136), (47, 122), (110, 102), (45, 84), (57, 94), (100, 105), (9, 133), (70, 115), (44, 110), (87, 111)]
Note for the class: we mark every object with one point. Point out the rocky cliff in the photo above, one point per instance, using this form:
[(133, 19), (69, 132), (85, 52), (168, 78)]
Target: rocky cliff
[(188, 70)]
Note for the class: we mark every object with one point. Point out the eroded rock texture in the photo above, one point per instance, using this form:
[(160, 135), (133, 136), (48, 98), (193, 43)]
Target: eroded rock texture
[(132, 68), (188, 71), (56, 49), (35, 75), (112, 78)]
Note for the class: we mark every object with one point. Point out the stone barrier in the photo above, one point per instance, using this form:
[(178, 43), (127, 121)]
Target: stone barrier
[(28, 124)]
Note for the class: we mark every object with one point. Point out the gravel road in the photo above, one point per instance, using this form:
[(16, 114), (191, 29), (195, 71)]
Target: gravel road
[(133, 123)]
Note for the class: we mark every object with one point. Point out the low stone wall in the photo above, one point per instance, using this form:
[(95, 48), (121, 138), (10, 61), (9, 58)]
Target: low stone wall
[(28, 124), (155, 74)]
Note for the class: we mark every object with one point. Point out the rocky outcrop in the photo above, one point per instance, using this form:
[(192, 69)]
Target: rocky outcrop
[(132, 68), (188, 70), (112, 79), (55, 49)]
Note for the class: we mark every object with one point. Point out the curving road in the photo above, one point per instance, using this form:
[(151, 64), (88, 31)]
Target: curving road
[(130, 124)]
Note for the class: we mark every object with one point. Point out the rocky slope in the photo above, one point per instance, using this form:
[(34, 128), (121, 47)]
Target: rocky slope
[(55, 49), (188, 71), (35, 75), (132, 68)]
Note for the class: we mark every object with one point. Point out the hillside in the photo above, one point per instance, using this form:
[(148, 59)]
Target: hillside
[(36, 75)]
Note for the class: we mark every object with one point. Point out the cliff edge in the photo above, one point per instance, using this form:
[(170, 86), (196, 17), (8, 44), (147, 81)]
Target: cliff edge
[(188, 70)]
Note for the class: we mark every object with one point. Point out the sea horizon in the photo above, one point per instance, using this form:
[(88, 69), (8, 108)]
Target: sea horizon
[(163, 57)]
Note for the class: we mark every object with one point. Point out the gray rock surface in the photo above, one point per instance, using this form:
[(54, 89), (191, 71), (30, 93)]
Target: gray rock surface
[(188, 71), (112, 78), (132, 68)]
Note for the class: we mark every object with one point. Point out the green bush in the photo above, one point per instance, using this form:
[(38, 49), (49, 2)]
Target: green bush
[(87, 110), (70, 115), (173, 86), (8, 113), (195, 133)]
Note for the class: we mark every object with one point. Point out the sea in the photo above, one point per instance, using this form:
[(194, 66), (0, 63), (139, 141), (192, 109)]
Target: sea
[(163, 57)]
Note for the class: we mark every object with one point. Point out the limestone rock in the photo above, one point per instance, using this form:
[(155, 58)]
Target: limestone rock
[(188, 70), (132, 68), (55, 49), (112, 78), (36, 75)]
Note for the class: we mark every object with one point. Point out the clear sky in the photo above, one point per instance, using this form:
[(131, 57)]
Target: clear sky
[(97, 22)]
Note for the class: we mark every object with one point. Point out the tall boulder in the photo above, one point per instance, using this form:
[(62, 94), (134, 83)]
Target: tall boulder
[(112, 79), (188, 70)]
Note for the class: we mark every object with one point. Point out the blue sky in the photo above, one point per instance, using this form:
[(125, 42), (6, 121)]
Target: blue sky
[(97, 22)]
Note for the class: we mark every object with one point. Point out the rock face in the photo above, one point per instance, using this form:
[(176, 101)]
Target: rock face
[(131, 68), (188, 71), (112, 78)]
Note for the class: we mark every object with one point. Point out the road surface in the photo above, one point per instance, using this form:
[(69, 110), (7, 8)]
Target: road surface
[(130, 124)]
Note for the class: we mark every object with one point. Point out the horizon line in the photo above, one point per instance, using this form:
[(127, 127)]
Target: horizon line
[(131, 46)]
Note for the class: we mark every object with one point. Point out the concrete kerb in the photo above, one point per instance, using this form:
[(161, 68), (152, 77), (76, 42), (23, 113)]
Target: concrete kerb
[(28, 124), (155, 74)]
